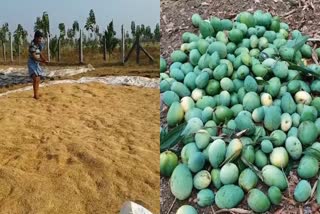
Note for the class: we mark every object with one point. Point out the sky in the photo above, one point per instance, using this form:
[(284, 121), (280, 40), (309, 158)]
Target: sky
[(24, 12)]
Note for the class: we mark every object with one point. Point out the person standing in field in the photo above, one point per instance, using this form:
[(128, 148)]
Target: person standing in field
[(35, 58)]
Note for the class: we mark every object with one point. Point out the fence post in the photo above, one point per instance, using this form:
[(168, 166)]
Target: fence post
[(138, 49), (59, 50), (11, 50), (105, 48), (80, 48), (48, 38), (19, 53), (123, 48)]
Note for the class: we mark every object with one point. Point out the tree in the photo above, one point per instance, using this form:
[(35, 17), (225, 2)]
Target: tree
[(19, 37), (109, 38), (43, 24), (157, 33), (148, 33), (70, 36), (54, 45), (75, 28), (133, 29), (91, 22), (4, 34), (142, 29), (138, 31), (62, 29)]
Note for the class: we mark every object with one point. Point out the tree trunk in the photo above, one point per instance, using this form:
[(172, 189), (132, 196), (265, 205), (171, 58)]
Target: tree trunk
[(11, 49), (4, 51), (48, 38), (59, 50)]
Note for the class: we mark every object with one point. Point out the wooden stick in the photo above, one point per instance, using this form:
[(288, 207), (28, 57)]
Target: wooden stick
[(213, 212), (146, 53), (174, 201), (314, 40), (289, 13)]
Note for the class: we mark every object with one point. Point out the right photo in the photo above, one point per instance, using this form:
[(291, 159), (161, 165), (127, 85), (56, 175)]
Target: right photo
[(239, 107)]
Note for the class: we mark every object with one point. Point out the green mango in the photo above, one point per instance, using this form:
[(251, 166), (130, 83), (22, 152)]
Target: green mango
[(229, 196), (307, 133), (215, 176), (258, 201), (275, 195), (248, 179), (302, 191), (187, 209), (168, 162), (273, 176), (235, 35), (205, 197), (272, 118), (217, 152), (294, 147), (181, 182), (229, 173), (196, 19), (202, 179), (308, 167), (206, 29)]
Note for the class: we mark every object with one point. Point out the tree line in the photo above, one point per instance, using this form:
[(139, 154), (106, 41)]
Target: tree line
[(94, 38)]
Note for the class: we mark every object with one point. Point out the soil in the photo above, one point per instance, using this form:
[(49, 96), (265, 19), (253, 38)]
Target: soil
[(81, 148), (175, 19)]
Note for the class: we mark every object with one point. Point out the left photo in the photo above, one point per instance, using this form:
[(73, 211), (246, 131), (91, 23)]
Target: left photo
[(79, 115)]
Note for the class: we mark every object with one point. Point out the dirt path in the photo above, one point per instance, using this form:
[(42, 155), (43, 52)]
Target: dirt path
[(82, 148)]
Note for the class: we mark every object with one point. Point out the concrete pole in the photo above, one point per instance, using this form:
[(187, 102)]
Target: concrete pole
[(48, 48), (80, 48), (11, 49)]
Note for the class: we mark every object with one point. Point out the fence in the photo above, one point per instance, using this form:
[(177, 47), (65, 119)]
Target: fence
[(75, 52)]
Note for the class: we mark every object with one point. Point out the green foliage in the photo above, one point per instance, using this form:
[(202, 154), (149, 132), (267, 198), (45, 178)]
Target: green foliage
[(91, 22), (4, 33), (43, 24), (157, 33)]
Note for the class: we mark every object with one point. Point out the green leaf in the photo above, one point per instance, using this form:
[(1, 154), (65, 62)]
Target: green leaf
[(261, 81), (298, 43), (252, 167), (272, 139), (303, 69), (312, 152), (231, 158), (172, 137), (289, 168)]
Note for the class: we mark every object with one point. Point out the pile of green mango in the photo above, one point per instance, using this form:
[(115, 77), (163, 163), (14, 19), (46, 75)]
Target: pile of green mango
[(248, 101)]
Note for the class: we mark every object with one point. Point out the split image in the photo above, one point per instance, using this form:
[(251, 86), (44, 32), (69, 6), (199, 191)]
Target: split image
[(239, 107), (79, 104)]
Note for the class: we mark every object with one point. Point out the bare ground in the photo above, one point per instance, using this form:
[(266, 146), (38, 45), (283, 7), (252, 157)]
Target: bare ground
[(175, 19)]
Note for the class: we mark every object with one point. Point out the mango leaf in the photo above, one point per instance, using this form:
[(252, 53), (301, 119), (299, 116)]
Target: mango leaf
[(163, 132), (231, 158), (261, 81), (312, 152), (252, 167), (172, 137), (303, 69), (289, 168), (298, 43), (257, 136), (272, 139)]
